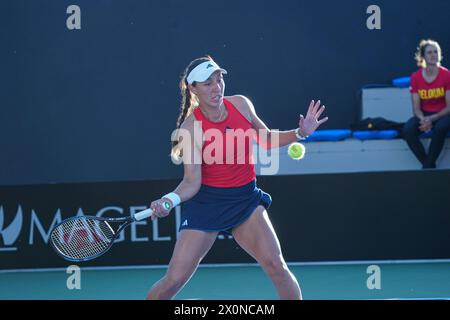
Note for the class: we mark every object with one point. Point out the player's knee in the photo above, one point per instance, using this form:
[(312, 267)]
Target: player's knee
[(274, 265)]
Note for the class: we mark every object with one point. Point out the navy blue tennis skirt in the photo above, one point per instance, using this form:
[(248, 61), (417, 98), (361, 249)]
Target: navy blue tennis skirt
[(215, 209)]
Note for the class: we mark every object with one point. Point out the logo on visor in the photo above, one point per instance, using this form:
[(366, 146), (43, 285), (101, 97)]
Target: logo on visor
[(209, 66)]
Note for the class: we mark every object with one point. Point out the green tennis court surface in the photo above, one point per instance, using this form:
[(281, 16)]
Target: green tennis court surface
[(424, 280)]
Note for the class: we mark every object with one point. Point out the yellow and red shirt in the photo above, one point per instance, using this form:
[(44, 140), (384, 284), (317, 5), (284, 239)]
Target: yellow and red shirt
[(432, 95)]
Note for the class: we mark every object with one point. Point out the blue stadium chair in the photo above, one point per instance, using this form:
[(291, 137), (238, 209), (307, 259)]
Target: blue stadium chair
[(401, 82), (376, 134), (329, 135)]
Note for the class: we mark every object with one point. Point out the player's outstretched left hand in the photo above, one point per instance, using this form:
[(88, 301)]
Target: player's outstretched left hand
[(310, 124)]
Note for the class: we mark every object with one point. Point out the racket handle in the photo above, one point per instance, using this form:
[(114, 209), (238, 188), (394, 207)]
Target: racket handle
[(148, 212), (143, 214)]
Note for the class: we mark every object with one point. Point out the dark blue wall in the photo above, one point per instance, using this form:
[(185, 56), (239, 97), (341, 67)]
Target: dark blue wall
[(363, 219), (99, 104)]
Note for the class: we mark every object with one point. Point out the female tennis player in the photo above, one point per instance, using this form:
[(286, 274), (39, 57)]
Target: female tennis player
[(223, 196)]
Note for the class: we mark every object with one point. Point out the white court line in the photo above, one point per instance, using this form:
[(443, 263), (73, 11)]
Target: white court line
[(236, 265), (417, 299)]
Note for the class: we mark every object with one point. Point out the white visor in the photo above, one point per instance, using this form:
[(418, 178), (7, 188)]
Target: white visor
[(203, 71)]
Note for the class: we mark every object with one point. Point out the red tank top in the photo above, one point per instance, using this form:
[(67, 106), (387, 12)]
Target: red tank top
[(227, 153)]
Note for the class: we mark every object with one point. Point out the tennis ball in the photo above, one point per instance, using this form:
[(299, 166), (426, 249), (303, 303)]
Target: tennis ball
[(296, 151)]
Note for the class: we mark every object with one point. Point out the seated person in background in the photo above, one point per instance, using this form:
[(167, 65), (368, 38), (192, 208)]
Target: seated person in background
[(430, 89)]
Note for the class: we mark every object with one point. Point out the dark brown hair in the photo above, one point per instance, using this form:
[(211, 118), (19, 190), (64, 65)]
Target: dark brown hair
[(188, 100)]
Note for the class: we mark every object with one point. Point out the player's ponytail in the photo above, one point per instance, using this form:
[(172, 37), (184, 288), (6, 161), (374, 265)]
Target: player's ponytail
[(188, 103)]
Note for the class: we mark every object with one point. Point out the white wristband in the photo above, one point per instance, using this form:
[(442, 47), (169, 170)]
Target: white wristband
[(174, 198), (298, 135)]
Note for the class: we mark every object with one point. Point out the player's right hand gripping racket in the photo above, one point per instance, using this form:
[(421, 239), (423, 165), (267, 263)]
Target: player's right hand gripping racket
[(84, 238)]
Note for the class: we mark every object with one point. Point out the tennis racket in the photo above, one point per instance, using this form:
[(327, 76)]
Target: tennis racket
[(84, 238)]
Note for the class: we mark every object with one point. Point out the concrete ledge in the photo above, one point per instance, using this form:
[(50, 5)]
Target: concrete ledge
[(391, 103), (352, 156)]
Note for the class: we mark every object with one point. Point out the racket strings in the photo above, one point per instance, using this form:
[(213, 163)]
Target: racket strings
[(82, 238)]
